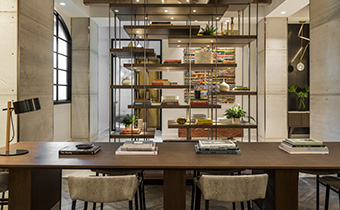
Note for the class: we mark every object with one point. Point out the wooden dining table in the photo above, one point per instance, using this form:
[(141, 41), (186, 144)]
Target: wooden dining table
[(35, 178)]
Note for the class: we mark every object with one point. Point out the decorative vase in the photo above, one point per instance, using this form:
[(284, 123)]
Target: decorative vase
[(224, 86), (126, 81), (235, 120), (302, 104)]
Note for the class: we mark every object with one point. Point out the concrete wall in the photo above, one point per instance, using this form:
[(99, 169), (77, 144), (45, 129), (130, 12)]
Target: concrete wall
[(35, 68), (273, 80), (84, 79), (8, 60), (62, 122), (325, 69)]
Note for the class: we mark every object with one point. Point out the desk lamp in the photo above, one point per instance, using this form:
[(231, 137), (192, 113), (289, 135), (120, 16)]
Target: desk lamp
[(19, 107)]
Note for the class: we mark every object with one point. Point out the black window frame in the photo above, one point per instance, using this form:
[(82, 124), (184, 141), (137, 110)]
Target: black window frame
[(59, 20)]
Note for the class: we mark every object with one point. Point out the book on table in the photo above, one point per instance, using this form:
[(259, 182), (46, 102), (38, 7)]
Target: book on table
[(72, 150), (137, 148), (216, 147), (303, 146)]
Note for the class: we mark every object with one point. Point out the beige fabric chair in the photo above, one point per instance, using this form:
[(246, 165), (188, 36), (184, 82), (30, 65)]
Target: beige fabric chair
[(333, 183), (232, 188), (319, 173), (103, 189), (3, 187)]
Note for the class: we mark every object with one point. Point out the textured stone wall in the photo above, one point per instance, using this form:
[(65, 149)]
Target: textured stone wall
[(325, 69), (35, 75)]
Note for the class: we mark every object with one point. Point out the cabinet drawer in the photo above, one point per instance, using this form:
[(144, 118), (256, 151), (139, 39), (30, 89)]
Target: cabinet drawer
[(294, 119)]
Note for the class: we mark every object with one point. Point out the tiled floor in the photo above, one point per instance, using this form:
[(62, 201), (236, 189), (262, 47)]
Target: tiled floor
[(154, 196)]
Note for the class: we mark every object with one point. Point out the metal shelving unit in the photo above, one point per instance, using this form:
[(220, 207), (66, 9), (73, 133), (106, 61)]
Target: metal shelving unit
[(139, 14)]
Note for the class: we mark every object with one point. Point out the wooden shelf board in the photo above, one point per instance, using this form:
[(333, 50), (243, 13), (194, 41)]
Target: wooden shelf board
[(150, 86), (161, 31), (237, 93), (136, 52), (181, 106), (148, 134), (183, 2), (179, 67), (174, 124), (212, 41)]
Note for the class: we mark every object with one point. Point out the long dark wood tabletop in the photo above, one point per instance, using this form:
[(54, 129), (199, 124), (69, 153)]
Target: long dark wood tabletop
[(172, 155)]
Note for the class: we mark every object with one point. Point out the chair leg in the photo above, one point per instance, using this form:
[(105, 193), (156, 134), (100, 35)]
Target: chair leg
[(234, 206), (74, 204), (94, 206), (101, 206), (206, 204), (327, 197), (130, 205), (317, 192), (3, 198), (248, 205), (242, 206), (198, 199), (143, 193), (140, 192), (193, 191), (136, 201), (85, 205)]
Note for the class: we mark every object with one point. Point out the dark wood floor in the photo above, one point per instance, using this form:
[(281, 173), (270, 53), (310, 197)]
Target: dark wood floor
[(154, 197)]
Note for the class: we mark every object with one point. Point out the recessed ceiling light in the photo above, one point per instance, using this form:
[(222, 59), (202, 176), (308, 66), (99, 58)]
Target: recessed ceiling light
[(188, 0), (196, 21), (227, 21), (211, 40), (208, 45), (172, 18), (137, 0), (178, 45), (283, 12), (62, 4), (179, 41), (217, 18), (194, 10), (140, 37), (166, 10), (116, 10), (137, 32), (146, 18)]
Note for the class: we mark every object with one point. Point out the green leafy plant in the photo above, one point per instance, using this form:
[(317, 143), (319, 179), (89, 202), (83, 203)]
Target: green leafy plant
[(208, 30), (301, 94), (237, 112), (128, 120)]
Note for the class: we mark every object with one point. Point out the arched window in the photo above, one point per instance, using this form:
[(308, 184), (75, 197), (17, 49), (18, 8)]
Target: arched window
[(62, 61)]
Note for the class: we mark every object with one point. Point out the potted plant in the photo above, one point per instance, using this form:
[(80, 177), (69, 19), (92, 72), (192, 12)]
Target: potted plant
[(235, 113), (128, 120), (208, 30), (301, 94)]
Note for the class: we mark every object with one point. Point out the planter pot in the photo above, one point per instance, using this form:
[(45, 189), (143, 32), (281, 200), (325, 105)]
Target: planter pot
[(128, 126), (235, 121)]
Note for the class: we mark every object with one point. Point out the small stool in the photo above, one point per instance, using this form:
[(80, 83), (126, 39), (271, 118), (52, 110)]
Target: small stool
[(103, 189), (227, 188)]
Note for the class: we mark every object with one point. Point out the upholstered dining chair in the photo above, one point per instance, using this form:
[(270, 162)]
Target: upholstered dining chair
[(239, 188), (196, 195), (319, 173), (106, 189), (332, 183), (121, 172), (3, 187)]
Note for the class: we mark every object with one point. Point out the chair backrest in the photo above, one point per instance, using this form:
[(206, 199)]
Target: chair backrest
[(233, 188), (3, 181), (103, 189)]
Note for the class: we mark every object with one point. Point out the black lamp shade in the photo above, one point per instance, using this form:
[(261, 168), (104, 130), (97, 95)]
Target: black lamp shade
[(27, 105)]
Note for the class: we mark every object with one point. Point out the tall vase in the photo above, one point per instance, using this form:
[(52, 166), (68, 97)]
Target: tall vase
[(302, 104)]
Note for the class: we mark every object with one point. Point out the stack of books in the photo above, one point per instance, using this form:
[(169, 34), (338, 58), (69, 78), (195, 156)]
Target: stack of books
[(172, 61), (142, 101), (137, 148), (303, 146), (161, 82), (160, 23), (199, 102), (170, 100), (204, 121), (216, 147), (130, 131), (240, 88)]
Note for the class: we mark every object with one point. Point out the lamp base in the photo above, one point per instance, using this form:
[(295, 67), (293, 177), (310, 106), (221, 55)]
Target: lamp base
[(14, 152)]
